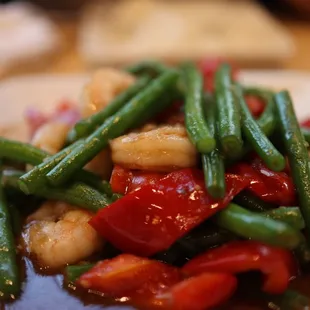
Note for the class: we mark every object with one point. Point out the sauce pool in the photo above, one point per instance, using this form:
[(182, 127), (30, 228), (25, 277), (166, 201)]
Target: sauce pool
[(46, 292)]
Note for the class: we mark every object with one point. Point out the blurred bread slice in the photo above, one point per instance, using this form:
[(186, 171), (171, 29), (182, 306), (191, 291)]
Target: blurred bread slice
[(125, 31)]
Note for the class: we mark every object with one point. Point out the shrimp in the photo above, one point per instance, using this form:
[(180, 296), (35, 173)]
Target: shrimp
[(61, 237), (51, 136), (105, 84), (101, 164), (164, 149)]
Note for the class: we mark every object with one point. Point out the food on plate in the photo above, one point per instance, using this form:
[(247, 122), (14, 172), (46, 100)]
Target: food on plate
[(160, 190)]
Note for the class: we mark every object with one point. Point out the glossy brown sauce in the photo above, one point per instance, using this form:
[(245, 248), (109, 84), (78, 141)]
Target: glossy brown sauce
[(48, 292)]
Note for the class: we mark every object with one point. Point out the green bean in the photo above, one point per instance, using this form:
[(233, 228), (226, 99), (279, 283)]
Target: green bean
[(21, 152), (10, 284), (86, 126), (303, 252), (78, 194), (213, 163), (150, 67), (116, 196), (195, 122), (254, 135), (228, 116), (289, 300), (35, 178), (296, 150), (255, 226), (29, 154), (266, 121), (204, 237), (288, 215), (306, 134), (72, 273), (16, 221), (140, 107), (252, 202)]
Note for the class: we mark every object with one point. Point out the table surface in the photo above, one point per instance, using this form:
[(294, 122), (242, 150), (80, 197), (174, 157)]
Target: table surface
[(69, 61)]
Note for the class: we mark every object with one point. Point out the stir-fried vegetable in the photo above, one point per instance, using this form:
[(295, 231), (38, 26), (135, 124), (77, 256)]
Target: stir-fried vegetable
[(228, 116), (10, 284), (77, 193), (136, 224), (241, 207), (196, 125), (254, 135), (256, 226), (35, 178), (86, 126), (213, 163), (240, 256), (141, 106), (296, 151), (266, 120)]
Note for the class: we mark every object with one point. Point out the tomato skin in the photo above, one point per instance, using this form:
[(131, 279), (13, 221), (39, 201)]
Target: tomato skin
[(130, 276), (202, 292), (152, 217), (270, 186), (277, 265)]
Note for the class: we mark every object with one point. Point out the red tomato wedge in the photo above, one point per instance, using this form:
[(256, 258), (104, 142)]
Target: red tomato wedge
[(199, 293), (130, 276), (277, 265), (154, 216)]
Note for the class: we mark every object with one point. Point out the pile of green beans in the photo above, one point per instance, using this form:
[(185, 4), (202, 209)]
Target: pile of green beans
[(142, 106), (219, 125)]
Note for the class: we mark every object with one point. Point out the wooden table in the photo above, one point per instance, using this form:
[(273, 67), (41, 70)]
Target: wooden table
[(69, 61), (300, 32)]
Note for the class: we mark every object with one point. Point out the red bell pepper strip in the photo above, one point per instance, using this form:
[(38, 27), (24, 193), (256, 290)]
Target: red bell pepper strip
[(208, 68), (270, 186), (200, 293), (151, 218), (277, 265), (256, 105), (130, 276), (306, 123), (124, 181)]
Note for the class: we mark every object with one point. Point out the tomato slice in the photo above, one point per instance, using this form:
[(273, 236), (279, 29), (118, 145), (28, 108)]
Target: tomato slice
[(130, 276)]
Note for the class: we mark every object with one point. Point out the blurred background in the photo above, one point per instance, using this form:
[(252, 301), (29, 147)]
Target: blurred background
[(70, 36)]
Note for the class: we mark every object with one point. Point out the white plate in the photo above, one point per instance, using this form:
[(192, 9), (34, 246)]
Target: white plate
[(45, 91)]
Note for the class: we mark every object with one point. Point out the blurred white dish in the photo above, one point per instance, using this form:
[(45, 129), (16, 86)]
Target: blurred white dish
[(45, 91), (25, 34)]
